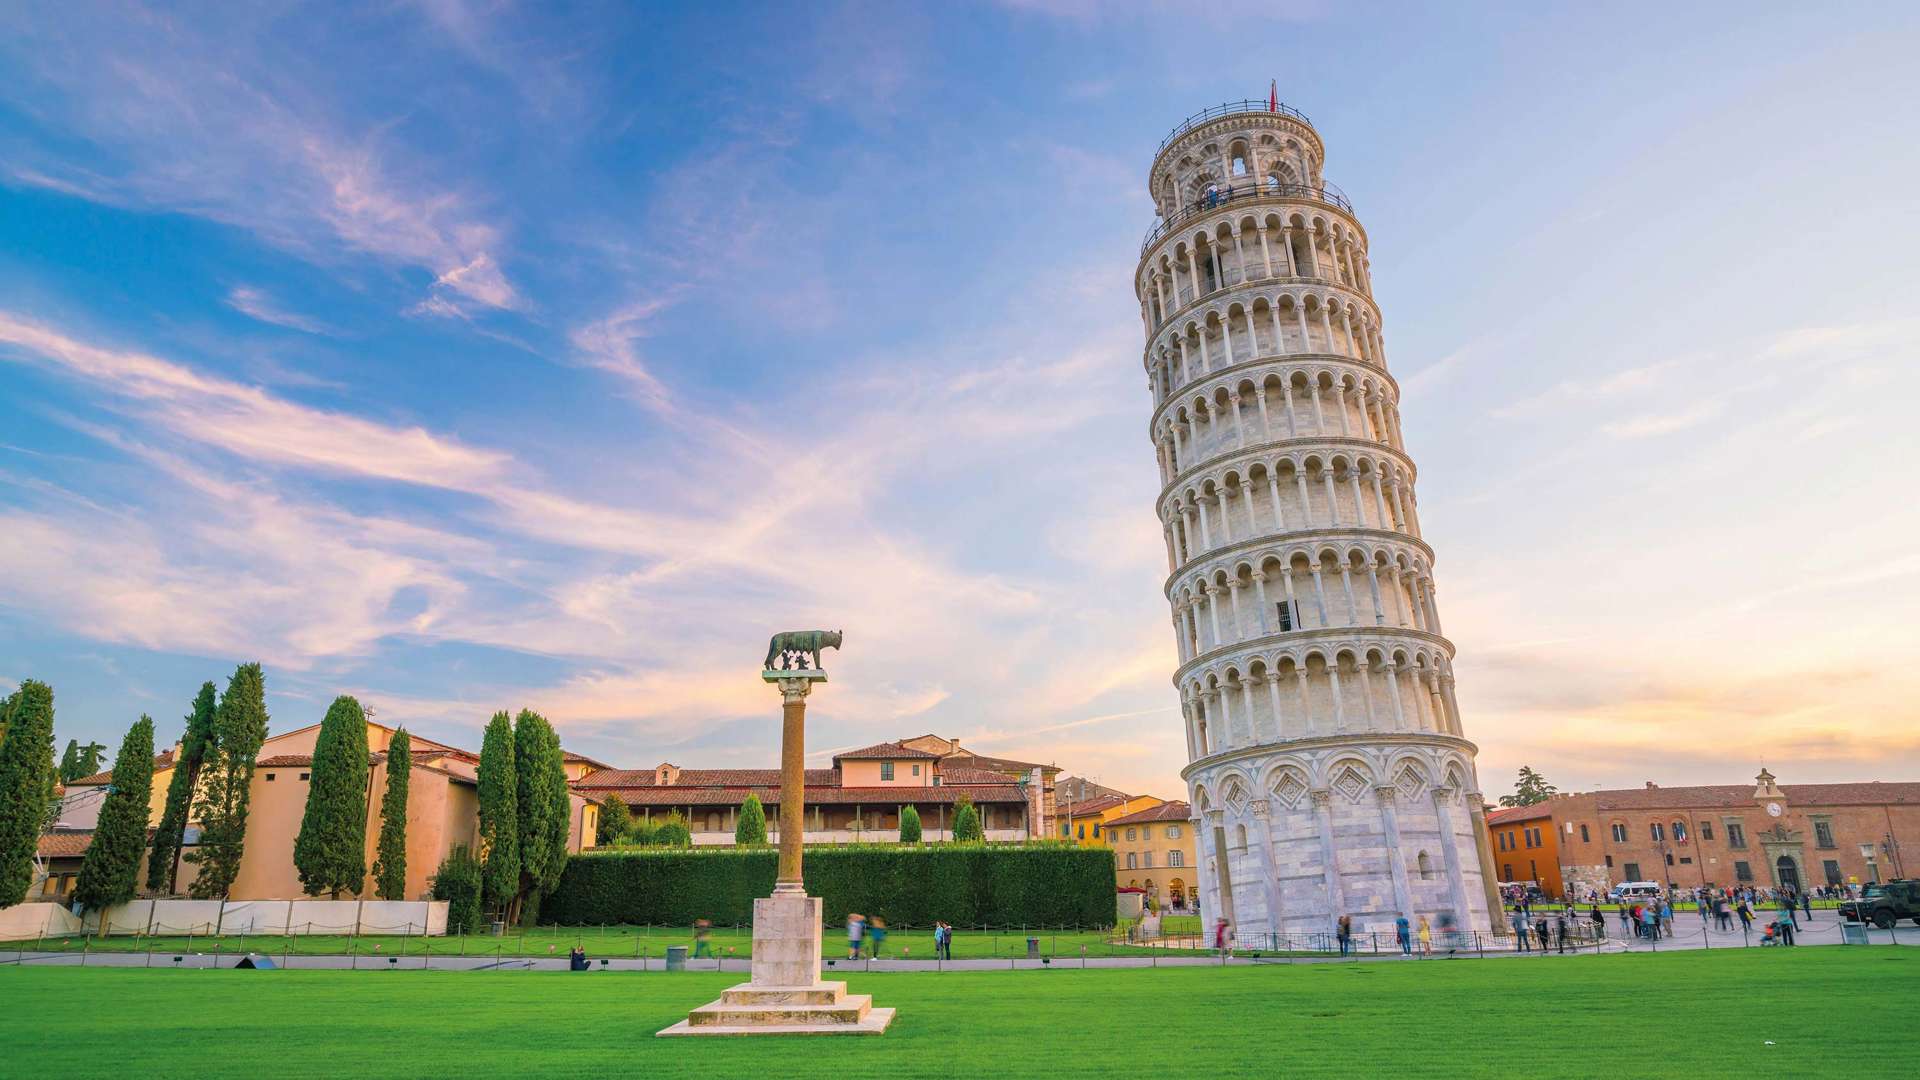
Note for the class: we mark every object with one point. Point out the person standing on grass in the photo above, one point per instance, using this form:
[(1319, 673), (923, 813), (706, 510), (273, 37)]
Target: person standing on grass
[(1543, 934), (1403, 933), (702, 938), (877, 933), (1426, 937), (1344, 931), (856, 929), (1519, 920)]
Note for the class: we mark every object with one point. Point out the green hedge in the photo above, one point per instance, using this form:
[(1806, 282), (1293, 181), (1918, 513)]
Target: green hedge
[(1044, 884)]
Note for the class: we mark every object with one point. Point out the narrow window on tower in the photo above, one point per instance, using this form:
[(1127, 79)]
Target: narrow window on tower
[(1286, 615)]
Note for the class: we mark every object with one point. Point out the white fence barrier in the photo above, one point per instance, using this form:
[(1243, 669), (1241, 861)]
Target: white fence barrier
[(171, 917)]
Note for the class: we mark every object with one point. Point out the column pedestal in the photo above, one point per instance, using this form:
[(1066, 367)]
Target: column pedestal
[(784, 994)]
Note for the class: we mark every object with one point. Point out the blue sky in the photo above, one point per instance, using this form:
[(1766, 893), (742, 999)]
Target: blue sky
[(478, 356)]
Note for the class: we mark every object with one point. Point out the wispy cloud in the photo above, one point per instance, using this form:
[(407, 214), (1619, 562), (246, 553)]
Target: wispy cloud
[(257, 304), (1664, 423)]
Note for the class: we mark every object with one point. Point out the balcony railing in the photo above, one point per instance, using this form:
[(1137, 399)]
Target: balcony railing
[(1231, 108), (1219, 197)]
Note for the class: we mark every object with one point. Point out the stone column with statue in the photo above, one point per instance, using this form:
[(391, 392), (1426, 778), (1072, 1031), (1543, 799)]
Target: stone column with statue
[(784, 995)]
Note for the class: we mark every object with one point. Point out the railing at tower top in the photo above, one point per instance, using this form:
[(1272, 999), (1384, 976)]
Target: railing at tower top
[(1231, 108), (1219, 197)]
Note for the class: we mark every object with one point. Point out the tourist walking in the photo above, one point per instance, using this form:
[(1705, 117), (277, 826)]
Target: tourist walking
[(1806, 905), (1220, 935), (1519, 920), (876, 936), (1543, 933), (1599, 923), (1343, 930), (1628, 924), (856, 929), (1786, 908), (702, 938), (1560, 931), (1426, 937), (1746, 916), (1650, 923), (1403, 932)]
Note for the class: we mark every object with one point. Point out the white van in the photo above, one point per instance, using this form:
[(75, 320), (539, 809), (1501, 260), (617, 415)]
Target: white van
[(1630, 891)]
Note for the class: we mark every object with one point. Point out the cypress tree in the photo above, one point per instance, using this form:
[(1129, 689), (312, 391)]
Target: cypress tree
[(751, 829), (331, 850), (26, 775), (543, 812), (390, 861), (909, 825), (239, 727), (614, 821), (163, 866), (6, 713), (966, 822), (69, 761), (499, 828), (110, 874)]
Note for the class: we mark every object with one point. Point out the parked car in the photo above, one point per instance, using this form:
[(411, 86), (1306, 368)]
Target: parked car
[(1628, 892), (1885, 904)]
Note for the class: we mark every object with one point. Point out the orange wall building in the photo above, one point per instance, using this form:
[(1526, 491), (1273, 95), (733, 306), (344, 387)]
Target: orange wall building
[(1526, 847)]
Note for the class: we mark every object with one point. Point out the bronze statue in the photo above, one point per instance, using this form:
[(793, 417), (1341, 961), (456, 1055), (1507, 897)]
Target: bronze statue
[(793, 647)]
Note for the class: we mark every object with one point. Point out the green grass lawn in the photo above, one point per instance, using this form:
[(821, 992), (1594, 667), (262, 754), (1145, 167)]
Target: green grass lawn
[(614, 941), (1787, 1012)]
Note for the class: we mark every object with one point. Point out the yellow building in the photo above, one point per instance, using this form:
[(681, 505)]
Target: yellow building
[(1153, 851), (1086, 823)]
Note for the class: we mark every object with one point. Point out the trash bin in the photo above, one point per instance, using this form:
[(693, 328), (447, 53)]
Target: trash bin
[(1033, 948), (1853, 933), (497, 928), (676, 958)]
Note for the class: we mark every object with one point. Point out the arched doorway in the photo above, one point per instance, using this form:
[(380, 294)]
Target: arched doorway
[(1177, 893), (1786, 873)]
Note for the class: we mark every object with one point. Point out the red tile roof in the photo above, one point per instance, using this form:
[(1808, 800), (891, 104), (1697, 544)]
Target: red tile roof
[(583, 759), (884, 751), (65, 844), (1508, 814), (1166, 811), (1091, 806), (680, 795), (305, 761), (697, 778), (1732, 796), (161, 760)]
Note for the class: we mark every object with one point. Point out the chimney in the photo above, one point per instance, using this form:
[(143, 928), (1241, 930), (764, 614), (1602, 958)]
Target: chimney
[(1651, 785)]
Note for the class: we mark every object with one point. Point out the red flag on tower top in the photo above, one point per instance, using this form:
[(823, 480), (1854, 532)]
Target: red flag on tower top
[(1273, 96)]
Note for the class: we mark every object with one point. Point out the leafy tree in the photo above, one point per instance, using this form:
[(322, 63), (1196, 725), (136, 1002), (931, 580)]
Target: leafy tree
[(966, 822), (26, 776), (751, 829), (86, 761), (909, 825), (543, 810), (1529, 789), (614, 821), (458, 883), (239, 727), (673, 832), (69, 761), (110, 874), (163, 866), (6, 712), (499, 815), (390, 859), (641, 833), (331, 851)]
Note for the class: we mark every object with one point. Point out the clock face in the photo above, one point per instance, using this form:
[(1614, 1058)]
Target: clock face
[(1773, 809)]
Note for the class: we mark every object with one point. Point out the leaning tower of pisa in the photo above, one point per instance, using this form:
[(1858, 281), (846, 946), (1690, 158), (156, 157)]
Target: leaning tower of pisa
[(1327, 767)]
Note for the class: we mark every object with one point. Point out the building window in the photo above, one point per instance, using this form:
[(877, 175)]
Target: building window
[(1286, 616), (1737, 838), (1823, 834), (269, 778), (1584, 838), (1096, 830), (1609, 862), (1146, 832), (1132, 834), (1619, 833), (1426, 866), (1832, 867), (1669, 858), (1240, 835), (1742, 872), (1146, 860), (1133, 861), (1679, 832), (886, 770), (304, 776), (1686, 860), (1706, 830), (1066, 830), (1083, 832), (1176, 857), (916, 770), (936, 779), (1633, 871), (1506, 871), (1657, 832), (1173, 832)]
